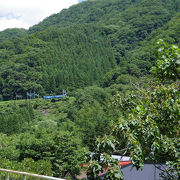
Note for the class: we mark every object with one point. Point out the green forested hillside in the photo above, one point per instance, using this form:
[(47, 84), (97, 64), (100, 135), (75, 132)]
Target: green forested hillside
[(53, 136), (114, 12), (78, 46), (99, 51), (10, 34), (55, 59)]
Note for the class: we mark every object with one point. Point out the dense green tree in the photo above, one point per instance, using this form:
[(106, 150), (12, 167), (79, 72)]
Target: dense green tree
[(16, 119), (62, 149), (27, 165), (10, 34), (149, 122)]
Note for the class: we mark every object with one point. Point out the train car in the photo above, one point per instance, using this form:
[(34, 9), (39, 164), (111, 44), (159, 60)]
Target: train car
[(54, 97)]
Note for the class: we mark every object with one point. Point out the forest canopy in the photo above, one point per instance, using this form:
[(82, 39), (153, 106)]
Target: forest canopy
[(122, 88)]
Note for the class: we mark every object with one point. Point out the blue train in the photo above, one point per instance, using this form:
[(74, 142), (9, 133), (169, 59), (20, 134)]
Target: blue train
[(54, 97)]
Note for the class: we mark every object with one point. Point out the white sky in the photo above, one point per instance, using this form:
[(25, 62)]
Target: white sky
[(25, 13)]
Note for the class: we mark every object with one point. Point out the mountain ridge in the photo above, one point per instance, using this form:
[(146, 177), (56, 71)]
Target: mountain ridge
[(88, 44)]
